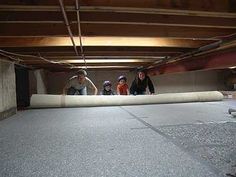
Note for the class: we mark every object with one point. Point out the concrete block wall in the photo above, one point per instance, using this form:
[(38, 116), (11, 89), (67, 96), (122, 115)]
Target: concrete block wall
[(189, 82), (7, 89)]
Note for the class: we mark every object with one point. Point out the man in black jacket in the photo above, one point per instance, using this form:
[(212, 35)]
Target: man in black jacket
[(140, 84)]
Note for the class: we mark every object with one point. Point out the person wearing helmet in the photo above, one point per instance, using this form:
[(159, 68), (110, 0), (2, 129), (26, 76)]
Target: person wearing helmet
[(141, 83), (122, 87), (107, 88), (78, 84)]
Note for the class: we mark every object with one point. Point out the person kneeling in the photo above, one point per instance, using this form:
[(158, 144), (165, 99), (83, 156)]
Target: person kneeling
[(77, 85), (141, 83)]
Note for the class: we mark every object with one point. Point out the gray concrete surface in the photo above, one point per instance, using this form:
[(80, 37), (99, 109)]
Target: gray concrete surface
[(192, 140)]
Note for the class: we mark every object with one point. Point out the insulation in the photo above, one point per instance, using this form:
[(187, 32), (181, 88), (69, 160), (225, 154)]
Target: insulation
[(53, 101)]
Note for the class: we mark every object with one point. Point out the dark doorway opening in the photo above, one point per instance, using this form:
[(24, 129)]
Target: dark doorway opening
[(22, 87)]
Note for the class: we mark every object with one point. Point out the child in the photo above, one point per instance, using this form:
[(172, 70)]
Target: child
[(122, 87), (107, 88)]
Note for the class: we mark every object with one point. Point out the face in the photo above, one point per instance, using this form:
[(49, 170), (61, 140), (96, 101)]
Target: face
[(122, 82), (108, 88), (141, 76), (81, 78)]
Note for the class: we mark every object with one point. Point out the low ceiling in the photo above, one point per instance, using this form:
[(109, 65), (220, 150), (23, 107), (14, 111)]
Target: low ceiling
[(115, 34)]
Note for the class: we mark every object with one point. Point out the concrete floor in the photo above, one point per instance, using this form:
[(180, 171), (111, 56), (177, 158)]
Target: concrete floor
[(181, 140)]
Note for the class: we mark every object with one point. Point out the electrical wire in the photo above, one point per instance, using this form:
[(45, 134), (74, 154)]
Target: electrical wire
[(3, 52), (13, 60)]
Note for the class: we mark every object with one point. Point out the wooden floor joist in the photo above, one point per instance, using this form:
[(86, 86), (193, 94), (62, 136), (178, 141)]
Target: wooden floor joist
[(102, 41), (147, 30)]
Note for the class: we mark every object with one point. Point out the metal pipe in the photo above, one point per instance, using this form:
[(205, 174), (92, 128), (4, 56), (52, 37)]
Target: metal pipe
[(160, 11), (7, 54), (205, 48), (209, 46), (68, 26), (212, 46), (79, 31), (201, 50)]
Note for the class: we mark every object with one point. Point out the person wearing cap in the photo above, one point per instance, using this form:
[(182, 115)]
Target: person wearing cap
[(141, 83), (122, 87), (107, 88), (78, 84)]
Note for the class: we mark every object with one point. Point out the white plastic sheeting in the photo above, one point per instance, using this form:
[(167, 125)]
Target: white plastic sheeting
[(40, 79), (53, 101)]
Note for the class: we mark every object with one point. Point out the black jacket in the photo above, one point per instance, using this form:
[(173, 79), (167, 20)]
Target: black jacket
[(104, 92), (138, 87)]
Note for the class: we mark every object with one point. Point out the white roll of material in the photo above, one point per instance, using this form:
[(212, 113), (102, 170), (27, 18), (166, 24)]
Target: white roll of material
[(58, 101)]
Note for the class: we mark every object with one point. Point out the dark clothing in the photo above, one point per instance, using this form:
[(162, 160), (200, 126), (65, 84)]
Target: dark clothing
[(138, 87), (105, 92), (74, 91)]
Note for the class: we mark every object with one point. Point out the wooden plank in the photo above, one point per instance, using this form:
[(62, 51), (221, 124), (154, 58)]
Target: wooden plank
[(220, 60), (44, 30), (204, 5), (98, 50), (82, 65), (160, 11), (102, 41), (157, 19), (118, 18), (47, 64), (125, 54)]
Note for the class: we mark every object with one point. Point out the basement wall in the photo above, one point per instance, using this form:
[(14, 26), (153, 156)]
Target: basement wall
[(7, 90), (170, 83), (190, 81), (57, 80)]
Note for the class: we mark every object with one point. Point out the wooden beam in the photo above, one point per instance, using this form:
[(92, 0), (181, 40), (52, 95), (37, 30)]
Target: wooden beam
[(101, 50), (68, 69), (151, 31), (91, 68), (82, 65), (200, 5), (102, 41), (99, 54), (160, 11), (118, 18), (182, 12), (219, 60), (146, 58), (35, 16), (157, 19), (33, 30), (41, 63), (43, 30), (90, 59)]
